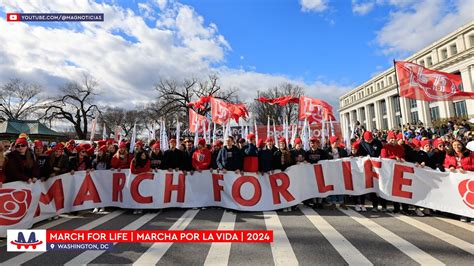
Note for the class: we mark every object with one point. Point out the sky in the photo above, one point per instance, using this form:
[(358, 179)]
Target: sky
[(326, 46)]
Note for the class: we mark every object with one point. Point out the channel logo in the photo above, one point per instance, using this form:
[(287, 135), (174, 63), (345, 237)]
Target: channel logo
[(12, 17), (26, 240)]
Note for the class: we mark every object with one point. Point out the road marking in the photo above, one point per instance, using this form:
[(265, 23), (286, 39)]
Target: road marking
[(88, 256), (350, 253), (157, 250), (468, 247), (467, 226), (404, 246), (282, 251), (53, 223), (22, 258), (219, 252)]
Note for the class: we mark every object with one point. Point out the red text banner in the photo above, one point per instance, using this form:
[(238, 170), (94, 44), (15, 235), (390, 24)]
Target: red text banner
[(24, 204)]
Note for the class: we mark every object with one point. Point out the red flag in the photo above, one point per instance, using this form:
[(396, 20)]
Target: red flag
[(419, 83), (237, 111), (220, 111), (199, 104), (282, 101), (195, 120), (314, 110)]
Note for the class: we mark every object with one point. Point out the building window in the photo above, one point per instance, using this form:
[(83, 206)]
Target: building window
[(378, 86), (396, 103), (444, 53), (422, 62), (429, 61), (382, 84), (460, 109), (383, 107), (453, 49), (384, 123), (434, 112), (390, 80), (412, 103), (398, 121), (471, 40), (414, 117)]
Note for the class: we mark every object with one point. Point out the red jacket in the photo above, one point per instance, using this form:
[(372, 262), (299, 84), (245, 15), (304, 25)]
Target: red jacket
[(201, 159), (118, 163), (467, 162), (139, 170), (392, 151)]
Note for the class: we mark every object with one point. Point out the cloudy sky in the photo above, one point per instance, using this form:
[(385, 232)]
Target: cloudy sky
[(327, 46)]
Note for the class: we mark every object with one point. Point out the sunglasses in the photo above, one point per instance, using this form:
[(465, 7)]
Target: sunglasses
[(20, 146)]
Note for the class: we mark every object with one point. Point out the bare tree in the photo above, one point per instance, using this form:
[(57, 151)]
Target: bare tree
[(126, 119), (19, 99), (262, 111), (174, 97), (75, 104)]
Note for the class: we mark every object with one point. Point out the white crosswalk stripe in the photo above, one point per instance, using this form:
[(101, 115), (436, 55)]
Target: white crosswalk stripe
[(88, 256), (467, 226), (219, 252), (406, 247), (282, 251), (468, 247), (351, 254), (157, 250), (20, 259)]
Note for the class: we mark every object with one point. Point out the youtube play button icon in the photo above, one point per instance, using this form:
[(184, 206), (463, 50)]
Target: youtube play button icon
[(13, 17)]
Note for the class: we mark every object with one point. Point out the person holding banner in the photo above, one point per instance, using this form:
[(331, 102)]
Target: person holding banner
[(41, 159), (282, 157), (459, 158), (314, 155), (173, 157), (121, 159), (334, 151), (101, 161), (156, 157), (59, 161), (265, 157), (250, 155), (188, 155), (230, 157), (140, 162), (201, 157), (437, 155), (21, 164), (80, 162), (215, 152), (298, 154), (369, 146)]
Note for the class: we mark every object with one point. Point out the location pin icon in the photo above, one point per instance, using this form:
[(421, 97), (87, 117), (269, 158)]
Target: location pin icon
[(52, 246)]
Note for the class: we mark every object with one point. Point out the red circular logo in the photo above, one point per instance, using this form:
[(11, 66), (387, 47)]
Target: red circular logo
[(14, 204), (466, 189)]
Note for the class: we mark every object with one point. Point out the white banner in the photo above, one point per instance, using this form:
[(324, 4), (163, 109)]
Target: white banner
[(22, 204)]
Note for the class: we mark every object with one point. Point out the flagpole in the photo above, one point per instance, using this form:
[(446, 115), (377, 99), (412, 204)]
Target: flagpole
[(399, 98)]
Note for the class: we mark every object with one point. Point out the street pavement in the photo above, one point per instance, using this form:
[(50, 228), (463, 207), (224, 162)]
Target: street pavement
[(304, 236)]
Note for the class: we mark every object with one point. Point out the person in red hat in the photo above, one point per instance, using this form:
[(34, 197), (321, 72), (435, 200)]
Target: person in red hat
[(265, 157), (250, 154), (58, 161), (202, 156), (459, 158), (392, 150), (437, 155), (422, 158), (173, 157), (140, 162), (369, 146), (101, 160), (282, 157), (241, 144), (42, 159), (334, 151), (315, 153), (121, 159), (156, 156), (81, 162), (21, 164), (215, 152), (230, 157), (298, 154)]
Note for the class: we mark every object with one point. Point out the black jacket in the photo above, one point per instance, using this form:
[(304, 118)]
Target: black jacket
[(230, 159), (173, 159), (156, 160), (188, 159), (372, 149), (436, 159), (265, 159), (342, 153), (314, 156)]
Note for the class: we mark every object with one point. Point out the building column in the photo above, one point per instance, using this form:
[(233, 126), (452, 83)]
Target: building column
[(378, 116), (390, 113), (424, 112), (368, 117), (404, 110)]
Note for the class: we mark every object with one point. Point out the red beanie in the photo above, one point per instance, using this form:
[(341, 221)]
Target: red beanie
[(391, 135), (425, 142), (416, 142), (260, 143), (218, 143), (251, 136), (368, 136), (21, 141), (333, 139), (356, 145), (156, 145), (313, 139), (282, 139), (202, 142), (297, 141), (269, 139), (437, 142), (103, 148), (38, 143), (122, 145), (59, 146), (400, 136)]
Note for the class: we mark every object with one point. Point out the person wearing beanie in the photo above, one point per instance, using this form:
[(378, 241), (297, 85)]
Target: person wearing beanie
[(314, 155), (369, 146), (250, 155), (140, 162), (202, 157), (334, 151), (81, 161), (101, 160), (156, 157), (230, 157), (214, 153), (42, 159), (298, 154), (422, 158), (21, 164), (58, 161), (437, 155), (282, 157), (241, 144), (265, 157), (173, 157), (121, 159)]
